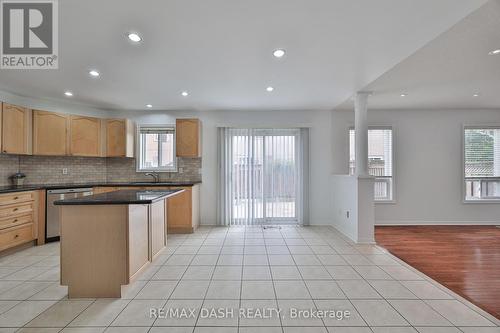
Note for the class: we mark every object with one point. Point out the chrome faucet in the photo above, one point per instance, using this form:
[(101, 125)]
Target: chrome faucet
[(154, 175)]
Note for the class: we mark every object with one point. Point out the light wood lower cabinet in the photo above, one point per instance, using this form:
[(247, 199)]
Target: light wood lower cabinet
[(182, 210), (18, 235), (19, 218)]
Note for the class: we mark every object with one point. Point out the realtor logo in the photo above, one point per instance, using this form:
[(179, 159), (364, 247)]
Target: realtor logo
[(29, 34)]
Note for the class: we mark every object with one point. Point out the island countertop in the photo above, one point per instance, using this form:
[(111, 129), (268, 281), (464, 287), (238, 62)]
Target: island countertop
[(121, 197)]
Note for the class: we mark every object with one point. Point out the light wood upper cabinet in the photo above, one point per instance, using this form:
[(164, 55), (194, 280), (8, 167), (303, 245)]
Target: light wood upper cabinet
[(85, 136), (50, 133), (37, 132), (188, 137), (16, 129), (119, 138)]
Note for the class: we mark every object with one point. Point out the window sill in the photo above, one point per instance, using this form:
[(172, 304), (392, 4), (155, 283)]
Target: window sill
[(385, 202), (156, 171), (486, 201)]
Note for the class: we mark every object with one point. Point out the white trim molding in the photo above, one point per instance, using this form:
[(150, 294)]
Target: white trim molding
[(424, 222)]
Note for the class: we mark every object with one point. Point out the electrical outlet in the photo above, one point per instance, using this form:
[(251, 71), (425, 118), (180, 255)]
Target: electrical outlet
[(180, 170), (65, 171)]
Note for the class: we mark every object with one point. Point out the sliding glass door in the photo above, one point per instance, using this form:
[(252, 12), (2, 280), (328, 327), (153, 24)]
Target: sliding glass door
[(262, 175)]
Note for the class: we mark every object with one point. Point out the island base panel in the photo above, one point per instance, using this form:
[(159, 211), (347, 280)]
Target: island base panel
[(94, 250)]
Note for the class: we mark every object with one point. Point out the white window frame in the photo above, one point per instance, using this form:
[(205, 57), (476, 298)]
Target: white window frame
[(464, 179), (378, 127), (139, 148)]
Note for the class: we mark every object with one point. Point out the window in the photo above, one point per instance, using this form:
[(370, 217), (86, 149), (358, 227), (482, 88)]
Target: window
[(482, 163), (156, 149), (379, 160)]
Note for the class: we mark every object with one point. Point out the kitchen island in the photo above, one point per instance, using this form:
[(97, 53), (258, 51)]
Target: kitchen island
[(108, 239)]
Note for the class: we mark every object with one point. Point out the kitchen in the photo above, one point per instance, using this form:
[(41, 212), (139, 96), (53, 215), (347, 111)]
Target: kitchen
[(249, 166), (69, 155)]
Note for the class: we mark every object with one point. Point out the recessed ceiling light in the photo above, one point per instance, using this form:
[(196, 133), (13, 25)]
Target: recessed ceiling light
[(269, 89), (184, 93), (494, 52), (149, 105), (279, 53), (94, 73), (475, 95), (403, 95), (134, 37), (68, 93)]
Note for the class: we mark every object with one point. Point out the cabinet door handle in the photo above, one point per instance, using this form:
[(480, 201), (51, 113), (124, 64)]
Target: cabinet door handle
[(14, 221), (15, 198), (15, 209), (16, 236)]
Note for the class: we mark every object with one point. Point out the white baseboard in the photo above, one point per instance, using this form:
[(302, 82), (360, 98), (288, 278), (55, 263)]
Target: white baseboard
[(365, 241), (403, 223)]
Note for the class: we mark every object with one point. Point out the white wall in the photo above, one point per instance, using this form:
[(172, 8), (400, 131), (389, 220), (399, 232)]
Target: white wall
[(428, 156), (353, 210), (49, 105), (428, 165), (344, 205), (319, 123)]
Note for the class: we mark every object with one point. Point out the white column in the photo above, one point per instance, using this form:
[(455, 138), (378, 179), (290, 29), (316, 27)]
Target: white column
[(361, 129)]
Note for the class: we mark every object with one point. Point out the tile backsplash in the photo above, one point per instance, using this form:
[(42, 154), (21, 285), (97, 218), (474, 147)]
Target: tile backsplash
[(50, 169), (9, 164), (123, 170)]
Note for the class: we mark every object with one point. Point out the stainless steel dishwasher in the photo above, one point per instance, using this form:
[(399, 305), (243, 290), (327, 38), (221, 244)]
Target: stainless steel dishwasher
[(52, 220)]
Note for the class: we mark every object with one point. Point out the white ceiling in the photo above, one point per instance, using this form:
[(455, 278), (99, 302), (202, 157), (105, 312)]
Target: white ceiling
[(221, 51), (448, 71)]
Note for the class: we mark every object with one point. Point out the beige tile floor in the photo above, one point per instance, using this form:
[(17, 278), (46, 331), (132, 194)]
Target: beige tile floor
[(243, 268)]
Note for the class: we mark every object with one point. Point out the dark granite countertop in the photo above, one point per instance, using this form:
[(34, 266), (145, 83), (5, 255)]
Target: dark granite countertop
[(121, 197), (32, 187)]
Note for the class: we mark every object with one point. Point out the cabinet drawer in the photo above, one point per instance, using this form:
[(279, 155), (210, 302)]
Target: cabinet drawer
[(16, 210), (15, 221), (15, 236), (13, 198)]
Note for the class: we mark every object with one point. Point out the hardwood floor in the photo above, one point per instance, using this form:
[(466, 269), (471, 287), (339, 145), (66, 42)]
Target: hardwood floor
[(466, 259)]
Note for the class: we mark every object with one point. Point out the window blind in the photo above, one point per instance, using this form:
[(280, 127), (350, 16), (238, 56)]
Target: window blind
[(379, 160), (482, 163), (482, 152)]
